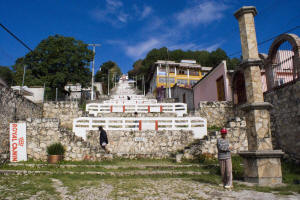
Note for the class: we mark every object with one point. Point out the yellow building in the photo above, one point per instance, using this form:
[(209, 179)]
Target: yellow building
[(168, 73)]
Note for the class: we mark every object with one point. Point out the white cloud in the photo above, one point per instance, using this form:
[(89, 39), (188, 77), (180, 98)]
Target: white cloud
[(142, 12), (116, 13), (147, 10), (113, 4), (139, 50), (202, 13), (112, 13), (212, 47)]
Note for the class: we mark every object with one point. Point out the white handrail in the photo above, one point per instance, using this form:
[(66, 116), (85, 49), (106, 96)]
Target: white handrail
[(96, 108), (196, 124), (125, 97), (139, 101)]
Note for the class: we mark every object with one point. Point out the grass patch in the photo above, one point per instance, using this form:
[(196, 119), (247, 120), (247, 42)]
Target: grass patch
[(23, 187)]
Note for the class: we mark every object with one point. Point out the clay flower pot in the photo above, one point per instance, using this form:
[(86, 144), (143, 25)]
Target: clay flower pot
[(53, 159), (55, 153)]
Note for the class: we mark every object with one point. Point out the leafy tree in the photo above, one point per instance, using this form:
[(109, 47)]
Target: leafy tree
[(233, 63), (7, 75), (108, 69), (56, 61)]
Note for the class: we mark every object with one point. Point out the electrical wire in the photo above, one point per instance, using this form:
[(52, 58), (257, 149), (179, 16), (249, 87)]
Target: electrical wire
[(267, 40), (14, 36)]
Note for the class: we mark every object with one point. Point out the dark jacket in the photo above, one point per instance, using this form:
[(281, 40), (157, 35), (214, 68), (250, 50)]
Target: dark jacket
[(103, 137)]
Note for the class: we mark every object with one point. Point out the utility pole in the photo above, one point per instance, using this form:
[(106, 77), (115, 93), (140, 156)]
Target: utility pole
[(24, 71), (169, 86), (93, 68), (136, 82), (144, 86), (108, 83)]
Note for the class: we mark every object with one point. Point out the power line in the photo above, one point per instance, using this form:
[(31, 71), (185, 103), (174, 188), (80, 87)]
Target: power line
[(19, 40), (267, 40)]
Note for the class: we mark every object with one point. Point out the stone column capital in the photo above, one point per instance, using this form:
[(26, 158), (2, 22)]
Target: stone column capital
[(256, 106), (245, 9), (251, 62), (262, 154)]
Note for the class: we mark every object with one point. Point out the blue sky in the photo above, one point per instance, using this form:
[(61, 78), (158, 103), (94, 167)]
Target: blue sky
[(127, 30)]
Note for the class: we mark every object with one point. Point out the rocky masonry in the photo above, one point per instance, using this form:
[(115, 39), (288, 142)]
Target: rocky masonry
[(237, 137), (155, 144), (65, 111), (13, 107), (217, 113), (43, 132), (285, 118)]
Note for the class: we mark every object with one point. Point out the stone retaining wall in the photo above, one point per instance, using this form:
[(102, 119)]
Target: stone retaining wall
[(65, 111), (285, 118), (236, 135), (13, 107), (153, 144), (46, 131), (217, 113)]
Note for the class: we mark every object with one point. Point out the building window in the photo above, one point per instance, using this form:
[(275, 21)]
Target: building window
[(203, 73), (164, 80), (182, 82), (172, 69), (194, 73), (182, 72), (193, 82)]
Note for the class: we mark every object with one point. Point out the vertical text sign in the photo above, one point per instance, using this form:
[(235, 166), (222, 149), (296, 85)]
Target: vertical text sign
[(17, 138)]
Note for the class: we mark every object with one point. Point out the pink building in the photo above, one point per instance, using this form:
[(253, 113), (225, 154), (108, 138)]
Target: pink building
[(281, 71), (215, 86)]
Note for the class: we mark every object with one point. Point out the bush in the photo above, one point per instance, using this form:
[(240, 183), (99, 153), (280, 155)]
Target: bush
[(56, 149), (237, 168)]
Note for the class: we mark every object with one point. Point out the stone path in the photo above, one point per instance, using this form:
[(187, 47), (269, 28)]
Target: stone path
[(151, 189), (128, 173), (61, 190)]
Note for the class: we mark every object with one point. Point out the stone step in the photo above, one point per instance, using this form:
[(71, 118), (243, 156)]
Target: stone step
[(127, 173), (108, 166)]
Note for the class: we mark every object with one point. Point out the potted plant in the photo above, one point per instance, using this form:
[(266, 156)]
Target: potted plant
[(55, 153)]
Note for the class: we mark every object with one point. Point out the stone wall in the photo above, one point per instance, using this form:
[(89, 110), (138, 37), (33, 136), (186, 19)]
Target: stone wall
[(285, 118), (236, 135), (13, 107), (65, 111), (217, 113), (179, 93), (153, 144), (46, 131)]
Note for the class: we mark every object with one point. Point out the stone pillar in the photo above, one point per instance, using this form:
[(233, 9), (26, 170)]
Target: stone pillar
[(262, 163)]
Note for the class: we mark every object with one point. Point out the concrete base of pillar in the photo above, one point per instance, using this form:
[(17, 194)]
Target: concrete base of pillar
[(262, 167)]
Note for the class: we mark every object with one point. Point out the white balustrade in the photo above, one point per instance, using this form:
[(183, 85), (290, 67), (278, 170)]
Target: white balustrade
[(196, 124), (178, 108), (139, 101), (124, 97)]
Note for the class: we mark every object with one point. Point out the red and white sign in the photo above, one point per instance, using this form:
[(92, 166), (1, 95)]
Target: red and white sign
[(17, 138)]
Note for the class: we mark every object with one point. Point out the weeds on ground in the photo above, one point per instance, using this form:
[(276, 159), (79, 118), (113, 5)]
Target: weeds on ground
[(23, 187)]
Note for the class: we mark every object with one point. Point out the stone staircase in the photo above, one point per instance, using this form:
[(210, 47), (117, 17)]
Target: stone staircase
[(237, 137)]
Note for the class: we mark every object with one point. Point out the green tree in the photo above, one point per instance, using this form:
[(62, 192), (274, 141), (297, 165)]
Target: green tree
[(108, 69), (7, 75), (56, 61)]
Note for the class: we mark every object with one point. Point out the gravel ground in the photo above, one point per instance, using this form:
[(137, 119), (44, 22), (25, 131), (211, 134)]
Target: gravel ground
[(138, 188)]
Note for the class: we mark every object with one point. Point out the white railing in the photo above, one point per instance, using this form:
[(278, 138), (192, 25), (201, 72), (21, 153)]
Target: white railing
[(197, 124), (97, 108), (140, 101), (125, 97)]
